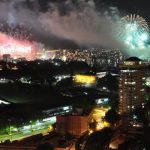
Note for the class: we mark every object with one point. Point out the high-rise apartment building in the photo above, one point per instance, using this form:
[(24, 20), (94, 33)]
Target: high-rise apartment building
[(131, 85)]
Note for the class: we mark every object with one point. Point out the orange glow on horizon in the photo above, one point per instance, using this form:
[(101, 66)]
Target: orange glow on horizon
[(17, 48)]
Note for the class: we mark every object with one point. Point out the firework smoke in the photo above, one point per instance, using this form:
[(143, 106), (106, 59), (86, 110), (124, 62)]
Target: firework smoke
[(67, 24), (80, 23)]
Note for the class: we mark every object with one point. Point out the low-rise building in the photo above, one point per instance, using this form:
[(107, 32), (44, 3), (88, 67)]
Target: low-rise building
[(72, 124)]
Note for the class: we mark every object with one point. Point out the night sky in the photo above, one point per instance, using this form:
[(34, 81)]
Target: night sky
[(133, 6), (124, 4), (141, 7)]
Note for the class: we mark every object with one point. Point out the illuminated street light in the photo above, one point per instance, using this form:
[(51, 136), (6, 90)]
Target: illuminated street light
[(98, 115)]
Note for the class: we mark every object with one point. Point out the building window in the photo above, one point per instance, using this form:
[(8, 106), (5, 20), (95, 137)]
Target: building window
[(130, 83), (142, 90), (133, 107)]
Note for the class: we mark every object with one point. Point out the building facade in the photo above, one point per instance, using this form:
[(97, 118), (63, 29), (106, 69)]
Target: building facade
[(72, 124), (131, 85)]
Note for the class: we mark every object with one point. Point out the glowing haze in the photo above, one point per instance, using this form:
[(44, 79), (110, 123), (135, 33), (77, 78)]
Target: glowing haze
[(17, 48), (78, 24), (67, 24)]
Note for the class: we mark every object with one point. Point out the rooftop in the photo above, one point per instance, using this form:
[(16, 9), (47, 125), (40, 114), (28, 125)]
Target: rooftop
[(133, 59)]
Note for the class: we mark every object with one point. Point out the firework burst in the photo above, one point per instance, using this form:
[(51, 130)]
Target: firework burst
[(134, 31), (18, 32)]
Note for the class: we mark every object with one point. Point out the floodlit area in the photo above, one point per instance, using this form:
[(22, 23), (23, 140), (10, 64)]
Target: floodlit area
[(34, 127), (85, 79), (102, 101), (4, 102), (148, 81), (98, 115), (43, 126)]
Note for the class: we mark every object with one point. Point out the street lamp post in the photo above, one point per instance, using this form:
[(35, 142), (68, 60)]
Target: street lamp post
[(10, 133), (31, 127)]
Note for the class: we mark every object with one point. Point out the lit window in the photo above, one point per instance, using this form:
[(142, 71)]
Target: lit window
[(129, 63), (131, 83)]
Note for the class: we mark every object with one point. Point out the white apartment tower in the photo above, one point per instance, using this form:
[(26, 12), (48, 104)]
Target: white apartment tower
[(131, 85)]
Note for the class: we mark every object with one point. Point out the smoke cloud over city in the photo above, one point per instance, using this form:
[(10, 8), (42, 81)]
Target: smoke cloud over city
[(66, 24)]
